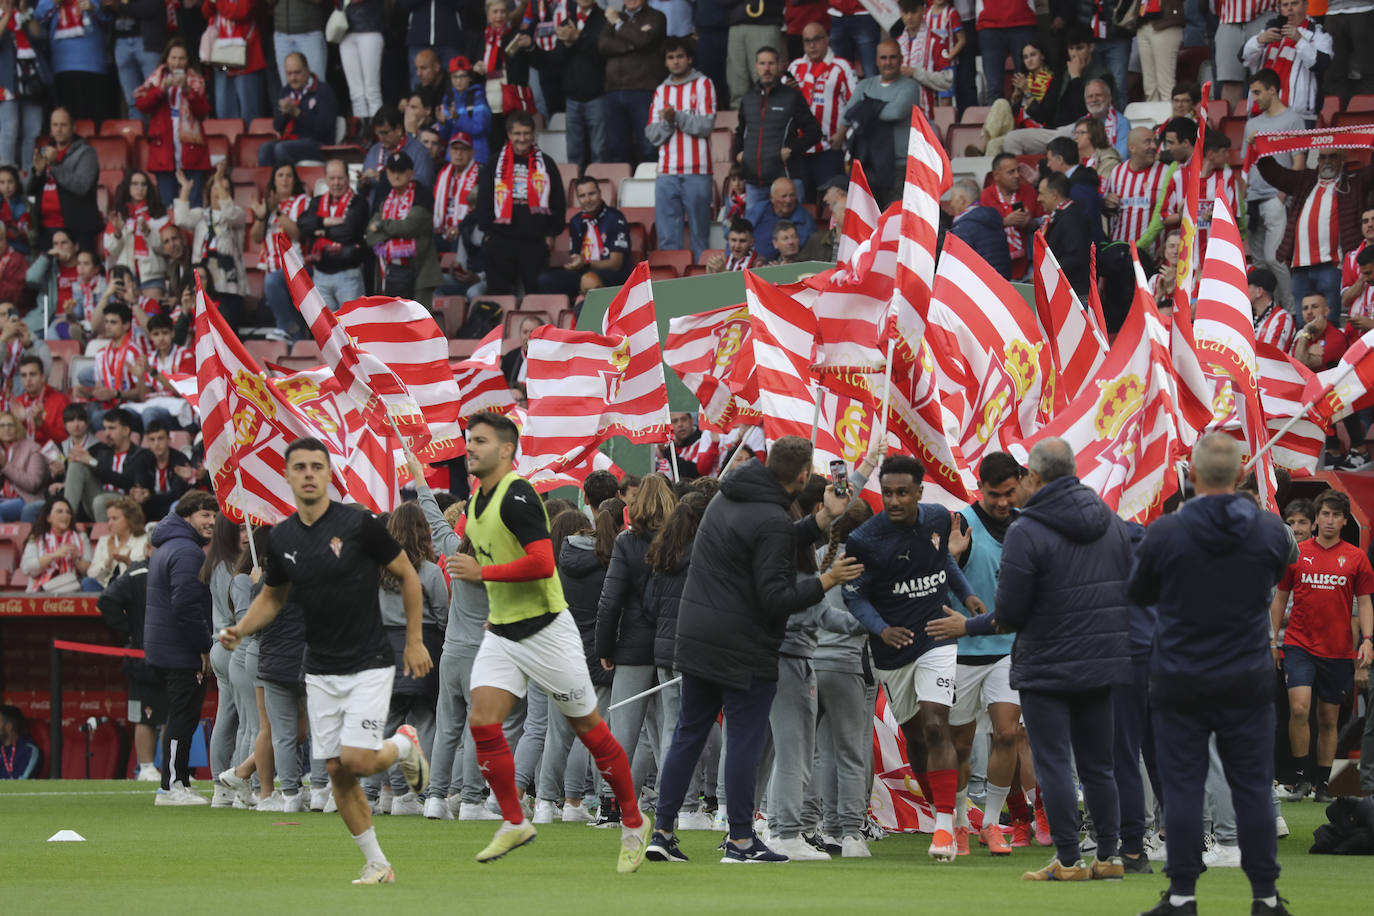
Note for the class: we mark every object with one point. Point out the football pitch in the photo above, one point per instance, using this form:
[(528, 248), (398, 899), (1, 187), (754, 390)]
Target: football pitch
[(138, 858)]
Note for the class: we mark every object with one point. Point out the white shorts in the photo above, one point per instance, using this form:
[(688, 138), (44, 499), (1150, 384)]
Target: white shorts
[(929, 679), (348, 710), (976, 687), (553, 658)]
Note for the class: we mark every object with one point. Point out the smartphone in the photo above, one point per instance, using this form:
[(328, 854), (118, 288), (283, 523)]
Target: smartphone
[(839, 477), (1017, 206)]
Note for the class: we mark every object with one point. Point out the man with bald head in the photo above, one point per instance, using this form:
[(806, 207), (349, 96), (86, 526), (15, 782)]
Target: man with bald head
[(430, 84), (979, 226), (1131, 189), (782, 205), (827, 82), (880, 115), (1062, 591), (1209, 570)]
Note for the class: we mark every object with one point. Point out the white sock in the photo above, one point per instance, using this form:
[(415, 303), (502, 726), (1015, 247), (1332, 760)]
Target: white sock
[(1268, 901), (1030, 799), (944, 822), (996, 798), (961, 808), (402, 745), (367, 842), (1176, 900)]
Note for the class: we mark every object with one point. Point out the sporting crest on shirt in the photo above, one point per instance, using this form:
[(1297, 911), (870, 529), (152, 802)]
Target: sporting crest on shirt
[(336, 545), (1340, 560)]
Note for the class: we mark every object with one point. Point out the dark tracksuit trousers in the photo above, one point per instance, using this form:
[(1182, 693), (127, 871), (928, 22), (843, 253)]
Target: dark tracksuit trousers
[(1068, 728), (746, 731), (1245, 741), (1131, 711), (185, 696)]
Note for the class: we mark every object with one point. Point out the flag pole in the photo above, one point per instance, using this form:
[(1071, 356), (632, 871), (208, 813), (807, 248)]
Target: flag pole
[(647, 693), (1293, 421), (672, 451), (887, 390), (815, 411), (247, 525)]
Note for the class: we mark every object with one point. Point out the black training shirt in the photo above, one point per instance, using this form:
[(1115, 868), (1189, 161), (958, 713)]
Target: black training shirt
[(332, 567)]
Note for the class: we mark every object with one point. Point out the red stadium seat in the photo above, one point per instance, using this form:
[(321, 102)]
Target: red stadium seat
[(678, 260), (121, 127), (695, 270), (728, 119), (567, 319), (961, 136), (247, 146), (309, 175), (1352, 118), (706, 255), (1234, 128), (462, 348), (975, 114), (660, 272), (1360, 103), (112, 152), (306, 349), (256, 175), (219, 146), (451, 312), (721, 143), (266, 350), (262, 126), (228, 128), (514, 316), (544, 303)]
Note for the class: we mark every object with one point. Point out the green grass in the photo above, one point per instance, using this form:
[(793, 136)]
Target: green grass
[(142, 859)]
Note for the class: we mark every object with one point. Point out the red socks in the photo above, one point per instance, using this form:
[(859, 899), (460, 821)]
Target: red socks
[(943, 786), (615, 769), (498, 766), (923, 780), (1016, 805)]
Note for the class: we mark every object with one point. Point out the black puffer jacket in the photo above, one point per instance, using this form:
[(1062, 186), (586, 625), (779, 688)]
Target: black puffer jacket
[(1062, 589), (582, 575), (742, 585), (177, 622), (770, 119), (663, 597), (624, 624)]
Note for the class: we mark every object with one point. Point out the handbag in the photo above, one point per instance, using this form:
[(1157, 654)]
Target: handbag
[(496, 94), (230, 56), (207, 42), (336, 27), (62, 582), (1127, 15)]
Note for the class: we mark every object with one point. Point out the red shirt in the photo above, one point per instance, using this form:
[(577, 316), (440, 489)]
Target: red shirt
[(1325, 583), (49, 203)]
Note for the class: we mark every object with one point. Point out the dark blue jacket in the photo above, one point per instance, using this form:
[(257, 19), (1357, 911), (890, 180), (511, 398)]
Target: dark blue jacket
[(436, 24), (1062, 590), (981, 228), (625, 625), (315, 122), (1211, 569), (177, 623), (1143, 617)]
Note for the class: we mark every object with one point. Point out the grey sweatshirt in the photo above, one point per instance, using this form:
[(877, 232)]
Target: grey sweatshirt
[(467, 606), (433, 604)]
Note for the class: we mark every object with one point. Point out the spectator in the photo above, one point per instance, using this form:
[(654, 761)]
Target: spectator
[(360, 52), (1238, 21), (577, 56), (1267, 215), (1217, 180), (1158, 39), (63, 184), (176, 635), (163, 404), (56, 555), (880, 114), (177, 258), (279, 211), (388, 128), (94, 479), (754, 27), (632, 43), (513, 363), (1035, 96), (825, 246), (173, 100), (929, 42), (416, 114), (54, 273), (453, 202), (1062, 157), (39, 405), (88, 290), (429, 79), (1320, 344), (681, 118), (14, 206), (1019, 207), (21, 113), (1314, 253), (163, 474), (122, 607), (1111, 46), (1132, 187), (740, 253), (775, 126), (734, 194), (304, 120), (137, 215), (1273, 323), (979, 226), (1351, 70), (782, 205), (696, 452), (240, 91), (711, 19), (785, 243), (1066, 230), (402, 234), (433, 24), (1180, 136), (217, 235), (600, 240), (827, 83), (520, 210), (125, 544), (1094, 150), (14, 340), (334, 226), (1299, 51), (1165, 278), (1005, 27), (140, 32), (20, 757), (505, 70), (23, 472), (14, 269), (464, 110), (298, 27), (1097, 104), (76, 31), (76, 426), (1357, 293), (855, 35)]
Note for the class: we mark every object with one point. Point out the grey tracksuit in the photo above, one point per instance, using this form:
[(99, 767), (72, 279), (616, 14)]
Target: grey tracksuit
[(243, 671), (224, 735)]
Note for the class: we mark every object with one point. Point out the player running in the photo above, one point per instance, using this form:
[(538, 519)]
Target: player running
[(1330, 577), (905, 554), (327, 556), (528, 638)]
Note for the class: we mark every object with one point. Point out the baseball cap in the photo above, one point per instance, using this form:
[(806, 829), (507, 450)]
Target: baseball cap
[(461, 137), (839, 181), (399, 161), (458, 64), (1264, 278)]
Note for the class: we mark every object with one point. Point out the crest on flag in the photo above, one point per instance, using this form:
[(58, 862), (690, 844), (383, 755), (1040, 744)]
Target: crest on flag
[(730, 337), (1120, 401), (336, 545)]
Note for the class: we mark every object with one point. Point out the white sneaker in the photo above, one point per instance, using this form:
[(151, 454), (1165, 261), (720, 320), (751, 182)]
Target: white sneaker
[(330, 805), (798, 850), (319, 798), (148, 773), (577, 814), (720, 821), (696, 819), (455, 804), (179, 796), (382, 805), (1280, 826), (854, 847), (1159, 852), (275, 803), (295, 802), (545, 811), (1222, 856), (408, 804), (436, 809), (223, 797), (240, 787), (476, 811)]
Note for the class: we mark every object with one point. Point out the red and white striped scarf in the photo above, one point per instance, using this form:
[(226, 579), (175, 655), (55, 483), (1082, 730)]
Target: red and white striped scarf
[(492, 54), (7, 489), (593, 244), (1279, 56), (116, 364), (296, 95), (744, 263), (136, 209), (533, 191), (452, 192), (397, 206), (171, 8), (71, 21), (329, 208), (117, 462), (50, 542)]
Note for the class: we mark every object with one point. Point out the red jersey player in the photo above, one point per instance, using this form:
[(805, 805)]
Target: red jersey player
[(1330, 577)]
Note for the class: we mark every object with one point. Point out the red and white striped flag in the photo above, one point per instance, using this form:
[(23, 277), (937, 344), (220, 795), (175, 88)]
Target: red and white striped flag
[(703, 349), (861, 213), (404, 336), (1348, 386), (542, 479), (928, 177), (1282, 380), (784, 340), (1077, 345), (639, 410), (481, 383), (1189, 257), (366, 380), (896, 802), (851, 304), (1191, 393)]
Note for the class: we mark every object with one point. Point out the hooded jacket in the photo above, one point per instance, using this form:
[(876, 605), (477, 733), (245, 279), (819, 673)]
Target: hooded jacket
[(1211, 569), (581, 573), (663, 597), (742, 585), (1062, 590), (177, 623), (625, 625)]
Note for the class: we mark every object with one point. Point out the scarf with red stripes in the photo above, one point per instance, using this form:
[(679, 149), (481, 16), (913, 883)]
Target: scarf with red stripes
[(537, 184)]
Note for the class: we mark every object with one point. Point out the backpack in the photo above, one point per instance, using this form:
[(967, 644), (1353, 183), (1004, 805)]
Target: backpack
[(483, 316)]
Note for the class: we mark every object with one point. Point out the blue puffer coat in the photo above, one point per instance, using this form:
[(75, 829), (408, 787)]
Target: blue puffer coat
[(981, 228), (1062, 590), (177, 624)]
